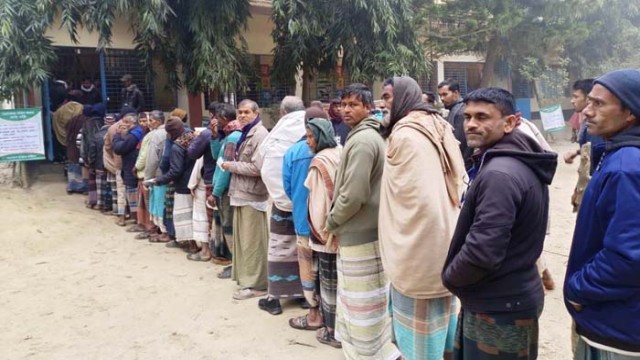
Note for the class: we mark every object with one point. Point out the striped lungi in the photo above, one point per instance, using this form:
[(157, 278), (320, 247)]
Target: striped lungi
[(132, 200), (111, 181), (102, 189), (156, 205), (250, 243), (423, 328), (93, 188), (167, 218), (363, 324), (284, 271), (200, 219), (308, 265), (183, 216), (144, 218), (497, 335), (121, 194), (328, 279)]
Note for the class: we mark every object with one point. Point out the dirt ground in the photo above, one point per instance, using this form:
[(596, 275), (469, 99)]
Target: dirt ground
[(76, 286)]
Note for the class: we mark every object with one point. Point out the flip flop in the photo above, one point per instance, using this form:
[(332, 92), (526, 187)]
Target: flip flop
[(135, 228), (225, 274), (142, 236), (160, 239), (197, 257), (301, 323), (323, 336), (172, 244)]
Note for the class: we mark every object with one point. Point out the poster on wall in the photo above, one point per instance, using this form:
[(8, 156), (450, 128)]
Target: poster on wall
[(21, 136), (552, 118)]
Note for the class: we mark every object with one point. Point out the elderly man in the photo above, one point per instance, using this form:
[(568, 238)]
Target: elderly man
[(602, 286), (491, 265), (417, 218), (249, 197), (157, 136), (125, 144), (283, 272)]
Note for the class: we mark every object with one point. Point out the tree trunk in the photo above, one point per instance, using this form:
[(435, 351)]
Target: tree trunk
[(490, 62), (307, 78)]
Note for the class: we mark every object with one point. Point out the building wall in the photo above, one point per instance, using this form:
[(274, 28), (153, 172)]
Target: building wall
[(122, 37)]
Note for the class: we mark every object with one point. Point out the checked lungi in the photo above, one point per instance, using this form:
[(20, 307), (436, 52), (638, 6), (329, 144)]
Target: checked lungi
[(283, 268)]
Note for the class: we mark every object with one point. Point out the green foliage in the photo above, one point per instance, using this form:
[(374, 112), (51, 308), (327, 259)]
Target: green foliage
[(201, 37), (376, 38)]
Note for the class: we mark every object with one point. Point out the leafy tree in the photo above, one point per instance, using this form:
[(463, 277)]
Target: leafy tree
[(375, 38), (201, 37)]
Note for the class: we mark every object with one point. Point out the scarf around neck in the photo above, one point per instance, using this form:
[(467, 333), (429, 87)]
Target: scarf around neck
[(245, 133)]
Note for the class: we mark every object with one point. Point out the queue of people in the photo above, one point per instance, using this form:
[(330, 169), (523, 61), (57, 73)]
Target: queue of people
[(402, 241)]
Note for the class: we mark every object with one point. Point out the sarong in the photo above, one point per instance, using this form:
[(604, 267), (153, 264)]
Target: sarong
[(209, 192), (75, 180), (167, 218), (102, 189), (250, 243), (497, 335), (132, 200), (284, 271), (584, 351), (328, 281), (111, 180), (183, 216), (93, 188), (144, 218), (200, 219), (157, 196), (308, 265), (221, 232), (423, 328), (363, 324), (121, 195)]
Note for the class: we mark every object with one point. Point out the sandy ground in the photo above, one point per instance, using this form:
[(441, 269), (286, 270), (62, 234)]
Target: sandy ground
[(76, 286)]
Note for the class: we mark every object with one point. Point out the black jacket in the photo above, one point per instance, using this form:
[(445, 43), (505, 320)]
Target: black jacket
[(201, 146), (456, 119), (133, 98), (127, 147), (96, 148), (491, 265), (179, 170)]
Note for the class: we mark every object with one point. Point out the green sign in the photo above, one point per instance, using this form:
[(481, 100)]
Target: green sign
[(21, 137), (552, 118)]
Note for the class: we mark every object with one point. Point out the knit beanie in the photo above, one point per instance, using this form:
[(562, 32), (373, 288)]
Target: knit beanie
[(314, 112), (625, 85), (174, 127)]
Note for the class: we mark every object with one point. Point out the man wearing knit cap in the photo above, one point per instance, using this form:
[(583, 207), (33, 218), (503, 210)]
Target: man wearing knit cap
[(602, 286)]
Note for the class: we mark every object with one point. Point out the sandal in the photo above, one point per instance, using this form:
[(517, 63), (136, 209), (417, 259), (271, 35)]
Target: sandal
[(173, 244), (301, 323), (197, 257), (164, 238), (142, 236), (325, 337), (135, 228), (120, 222)]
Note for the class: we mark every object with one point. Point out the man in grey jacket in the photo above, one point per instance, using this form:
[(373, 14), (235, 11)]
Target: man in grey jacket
[(151, 170)]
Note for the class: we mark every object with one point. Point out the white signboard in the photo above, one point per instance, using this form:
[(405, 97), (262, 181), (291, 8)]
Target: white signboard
[(21, 137), (552, 118)]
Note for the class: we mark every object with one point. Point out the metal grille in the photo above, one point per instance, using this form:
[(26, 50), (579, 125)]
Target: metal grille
[(260, 88), (119, 63), (74, 64), (429, 82), (458, 73)]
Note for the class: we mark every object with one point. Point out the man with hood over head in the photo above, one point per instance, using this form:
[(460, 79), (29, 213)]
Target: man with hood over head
[(420, 195)]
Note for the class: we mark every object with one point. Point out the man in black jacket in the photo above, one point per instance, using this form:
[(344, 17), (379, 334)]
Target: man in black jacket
[(449, 92), (491, 265), (131, 95), (125, 144)]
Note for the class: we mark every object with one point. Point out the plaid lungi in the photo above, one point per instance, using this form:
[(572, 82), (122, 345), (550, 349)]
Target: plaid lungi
[(200, 220), (132, 200), (363, 324), (144, 218), (183, 216), (167, 219), (111, 181), (283, 268), (121, 195), (423, 328), (328, 281), (102, 189)]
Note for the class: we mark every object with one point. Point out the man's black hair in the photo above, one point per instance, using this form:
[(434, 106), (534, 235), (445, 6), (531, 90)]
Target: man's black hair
[(584, 85), (451, 84), (360, 91), (501, 98), (388, 81), (213, 107), (226, 111), (431, 97)]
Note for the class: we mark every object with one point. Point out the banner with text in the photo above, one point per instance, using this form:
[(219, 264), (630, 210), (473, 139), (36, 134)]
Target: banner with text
[(552, 118), (21, 136)]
